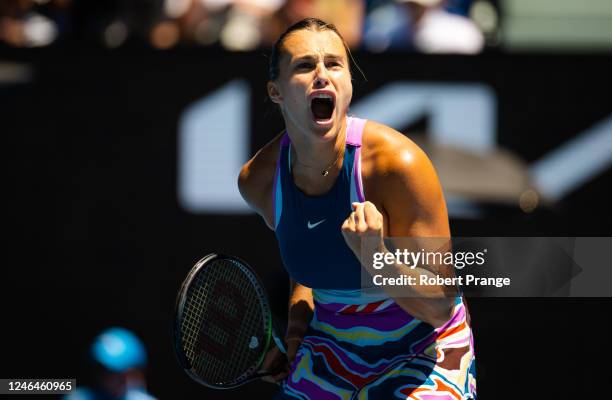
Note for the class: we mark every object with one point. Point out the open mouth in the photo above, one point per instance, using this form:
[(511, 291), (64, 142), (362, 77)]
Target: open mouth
[(322, 106)]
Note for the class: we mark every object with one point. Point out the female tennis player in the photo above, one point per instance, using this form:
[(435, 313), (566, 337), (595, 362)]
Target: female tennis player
[(323, 185)]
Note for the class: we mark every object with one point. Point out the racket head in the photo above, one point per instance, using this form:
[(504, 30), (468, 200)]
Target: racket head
[(223, 323)]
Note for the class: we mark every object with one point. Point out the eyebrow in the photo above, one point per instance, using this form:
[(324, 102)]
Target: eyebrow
[(309, 57)]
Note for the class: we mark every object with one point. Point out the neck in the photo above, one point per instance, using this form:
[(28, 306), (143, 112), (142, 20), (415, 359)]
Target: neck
[(311, 157)]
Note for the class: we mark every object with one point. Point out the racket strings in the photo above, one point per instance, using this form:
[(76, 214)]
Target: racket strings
[(234, 343), (252, 327), (192, 317)]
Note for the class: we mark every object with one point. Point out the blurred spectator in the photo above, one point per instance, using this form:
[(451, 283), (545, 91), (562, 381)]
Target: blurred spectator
[(243, 29), (187, 22), (242, 25), (346, 15), (34, 23), (426, 26), (385, 27), (119, 359), (435, 30), (235, 24)]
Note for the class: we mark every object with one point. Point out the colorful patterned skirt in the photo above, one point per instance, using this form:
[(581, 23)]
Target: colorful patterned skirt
[(378, 351)]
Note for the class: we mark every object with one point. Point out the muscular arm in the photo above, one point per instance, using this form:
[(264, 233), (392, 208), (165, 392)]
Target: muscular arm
[(415, 207), (405, 189)]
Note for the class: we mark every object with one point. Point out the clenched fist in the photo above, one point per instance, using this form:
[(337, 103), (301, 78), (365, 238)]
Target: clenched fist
[(365, 222)]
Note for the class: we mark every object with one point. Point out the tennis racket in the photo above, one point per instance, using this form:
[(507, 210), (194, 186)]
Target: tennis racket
[(223, 327)]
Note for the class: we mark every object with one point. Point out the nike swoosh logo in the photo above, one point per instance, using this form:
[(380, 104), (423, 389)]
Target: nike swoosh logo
[(310, 226)]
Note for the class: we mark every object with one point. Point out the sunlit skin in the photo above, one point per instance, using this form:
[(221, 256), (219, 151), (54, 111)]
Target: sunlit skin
[(404, 197)]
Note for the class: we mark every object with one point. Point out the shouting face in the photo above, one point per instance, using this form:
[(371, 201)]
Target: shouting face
[(313, 88)]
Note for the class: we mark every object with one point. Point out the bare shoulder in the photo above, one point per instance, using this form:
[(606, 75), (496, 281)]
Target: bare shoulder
[(388, 153), (256, 179), (399, 178)]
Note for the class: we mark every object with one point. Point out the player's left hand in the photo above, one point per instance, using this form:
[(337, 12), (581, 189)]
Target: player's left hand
[(365, 222)]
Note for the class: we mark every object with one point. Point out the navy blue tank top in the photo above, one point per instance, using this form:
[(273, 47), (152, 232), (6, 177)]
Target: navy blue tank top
[(308, 228)]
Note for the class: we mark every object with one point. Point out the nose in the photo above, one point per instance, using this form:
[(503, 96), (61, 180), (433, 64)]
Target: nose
[(321, 79)]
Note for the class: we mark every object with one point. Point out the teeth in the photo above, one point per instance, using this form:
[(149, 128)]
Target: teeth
[(323, 96)]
